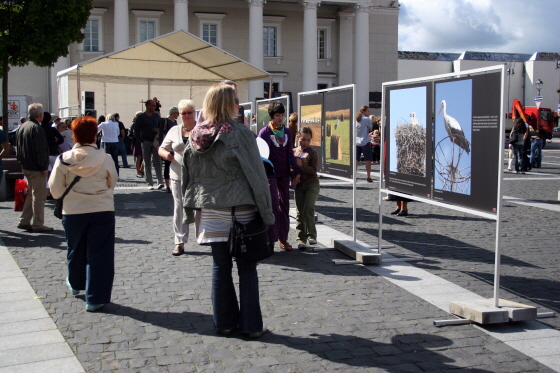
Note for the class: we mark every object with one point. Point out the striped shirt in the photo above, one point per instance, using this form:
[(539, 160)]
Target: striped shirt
[(216, 223)]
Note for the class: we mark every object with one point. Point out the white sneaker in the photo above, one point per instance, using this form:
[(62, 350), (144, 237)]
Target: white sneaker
[(312, 241), (150, 187)]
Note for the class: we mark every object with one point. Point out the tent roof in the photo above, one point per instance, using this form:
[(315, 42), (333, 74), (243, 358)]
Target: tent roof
[(177, 56)]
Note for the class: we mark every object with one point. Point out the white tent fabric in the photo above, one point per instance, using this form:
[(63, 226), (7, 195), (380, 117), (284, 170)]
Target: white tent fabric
[(171, 67)]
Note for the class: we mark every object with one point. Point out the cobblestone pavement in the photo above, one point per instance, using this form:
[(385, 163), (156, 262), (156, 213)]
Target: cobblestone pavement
[(321, 317)]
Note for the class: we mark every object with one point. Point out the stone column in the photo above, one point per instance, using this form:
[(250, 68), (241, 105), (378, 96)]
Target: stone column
[(256, 52), (361, 54), (181, 11), (346, 51), (309, 77), (121, 25)]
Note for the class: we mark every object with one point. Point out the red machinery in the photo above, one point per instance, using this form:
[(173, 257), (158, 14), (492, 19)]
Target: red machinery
[(541, 118)]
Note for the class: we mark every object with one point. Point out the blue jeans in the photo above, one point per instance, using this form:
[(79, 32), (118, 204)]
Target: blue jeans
[(122, 153), (112, 148), (536, 152), (227, 313), (519, 156), (91, 253)]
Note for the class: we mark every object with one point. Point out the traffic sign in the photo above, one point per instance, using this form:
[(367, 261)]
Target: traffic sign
[(538, 101)]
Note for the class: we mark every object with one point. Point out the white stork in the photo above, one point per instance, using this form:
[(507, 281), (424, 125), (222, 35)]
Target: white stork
[(454, 129), (413, 120)]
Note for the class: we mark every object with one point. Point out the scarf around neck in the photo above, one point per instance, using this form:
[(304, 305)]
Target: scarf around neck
[(203, 134)]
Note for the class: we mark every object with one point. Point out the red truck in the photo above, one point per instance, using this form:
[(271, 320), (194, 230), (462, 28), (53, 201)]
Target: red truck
[(541, 118)]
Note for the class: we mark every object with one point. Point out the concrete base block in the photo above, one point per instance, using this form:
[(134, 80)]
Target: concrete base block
[(479, 312), (516, 311), (483, 311), (357, 251)]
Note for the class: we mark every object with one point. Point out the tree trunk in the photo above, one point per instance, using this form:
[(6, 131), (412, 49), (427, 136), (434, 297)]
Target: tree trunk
[(5, 69)]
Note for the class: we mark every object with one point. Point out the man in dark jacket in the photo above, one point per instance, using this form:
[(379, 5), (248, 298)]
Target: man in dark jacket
[(33, 154)]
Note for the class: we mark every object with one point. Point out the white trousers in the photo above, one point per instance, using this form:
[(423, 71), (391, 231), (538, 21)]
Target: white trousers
[(181, 230)]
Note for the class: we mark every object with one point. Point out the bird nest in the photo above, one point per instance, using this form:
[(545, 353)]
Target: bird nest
[(411, 149)]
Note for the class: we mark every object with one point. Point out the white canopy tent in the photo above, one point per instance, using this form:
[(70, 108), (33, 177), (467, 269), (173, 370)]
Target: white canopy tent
[(171, 67)]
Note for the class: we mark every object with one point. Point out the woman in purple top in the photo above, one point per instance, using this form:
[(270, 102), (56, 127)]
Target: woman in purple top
[(280, 142)]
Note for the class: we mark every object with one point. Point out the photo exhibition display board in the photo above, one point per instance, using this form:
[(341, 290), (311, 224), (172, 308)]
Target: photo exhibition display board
[(443, 138), (330, 115), (262, 112), (248, 112)]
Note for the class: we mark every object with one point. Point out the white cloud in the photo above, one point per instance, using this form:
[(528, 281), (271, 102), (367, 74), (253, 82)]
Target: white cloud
[(512, 26)]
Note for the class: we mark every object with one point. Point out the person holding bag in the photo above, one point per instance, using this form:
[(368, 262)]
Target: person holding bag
[(222, 170), (88, 214)]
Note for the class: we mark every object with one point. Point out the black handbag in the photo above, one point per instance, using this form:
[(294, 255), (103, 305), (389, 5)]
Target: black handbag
[(249, 241), (58, 202)]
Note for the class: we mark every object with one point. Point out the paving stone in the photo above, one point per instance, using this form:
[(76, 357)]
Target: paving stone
[(322, 317)]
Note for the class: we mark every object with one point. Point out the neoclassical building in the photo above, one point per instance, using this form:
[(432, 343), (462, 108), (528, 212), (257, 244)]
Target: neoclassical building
[(304, 45)]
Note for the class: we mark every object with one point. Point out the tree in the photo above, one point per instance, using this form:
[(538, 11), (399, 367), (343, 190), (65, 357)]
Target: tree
[(39, 32)]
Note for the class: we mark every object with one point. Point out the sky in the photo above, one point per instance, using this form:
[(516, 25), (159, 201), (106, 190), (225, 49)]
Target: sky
[(454, 26)]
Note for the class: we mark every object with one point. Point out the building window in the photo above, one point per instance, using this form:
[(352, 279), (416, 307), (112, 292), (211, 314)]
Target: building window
[(147, 24), (269, 41), (321, 44), (324, 38), (210, 34), (272, 36), (147, 30), (210, 27), (93, 32)]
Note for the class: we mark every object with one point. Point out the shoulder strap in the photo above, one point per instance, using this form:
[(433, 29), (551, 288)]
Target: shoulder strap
[(76, 179)]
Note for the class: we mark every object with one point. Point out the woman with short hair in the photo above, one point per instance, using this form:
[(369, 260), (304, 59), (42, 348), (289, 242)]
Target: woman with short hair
[(171, 150), (88, 214)]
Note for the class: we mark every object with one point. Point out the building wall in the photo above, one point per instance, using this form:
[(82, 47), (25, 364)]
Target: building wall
[(383, 36)]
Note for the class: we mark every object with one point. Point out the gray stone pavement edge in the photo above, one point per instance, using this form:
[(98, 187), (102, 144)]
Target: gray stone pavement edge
[(322, 317)]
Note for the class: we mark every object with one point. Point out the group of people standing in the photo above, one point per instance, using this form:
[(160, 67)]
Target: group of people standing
[(524, 140), (214, 167)]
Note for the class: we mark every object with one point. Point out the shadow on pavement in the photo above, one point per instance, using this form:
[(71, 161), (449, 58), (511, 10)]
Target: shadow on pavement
[(406, 352), (436, 246)]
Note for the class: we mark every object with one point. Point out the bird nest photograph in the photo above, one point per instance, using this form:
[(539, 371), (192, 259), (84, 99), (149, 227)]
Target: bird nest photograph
[(408, 136), (411, 149)]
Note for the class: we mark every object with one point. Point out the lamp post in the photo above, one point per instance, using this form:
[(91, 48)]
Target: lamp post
[(539, 85)]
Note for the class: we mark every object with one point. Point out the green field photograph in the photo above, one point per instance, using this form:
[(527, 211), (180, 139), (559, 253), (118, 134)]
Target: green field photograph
[(310, 116), (337, 140)]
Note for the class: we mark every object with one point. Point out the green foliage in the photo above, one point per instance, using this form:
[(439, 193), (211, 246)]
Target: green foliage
[(40, 31)]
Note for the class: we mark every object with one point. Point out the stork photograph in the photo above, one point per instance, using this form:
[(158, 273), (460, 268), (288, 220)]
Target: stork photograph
[(453, 136), (407, 121)]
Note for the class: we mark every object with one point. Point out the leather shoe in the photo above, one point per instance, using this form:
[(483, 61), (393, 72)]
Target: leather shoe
[(27, 227), (285, 245), (396, 212), (43, 229), (403, 213), (257, 334), (93, 307)]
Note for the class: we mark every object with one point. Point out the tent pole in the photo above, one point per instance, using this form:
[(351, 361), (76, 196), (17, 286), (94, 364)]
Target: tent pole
[(79, 87), (270, 88), (149, 89)]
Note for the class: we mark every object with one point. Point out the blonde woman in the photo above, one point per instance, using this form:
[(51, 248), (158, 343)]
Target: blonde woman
[(171, 149), (223, 174)]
